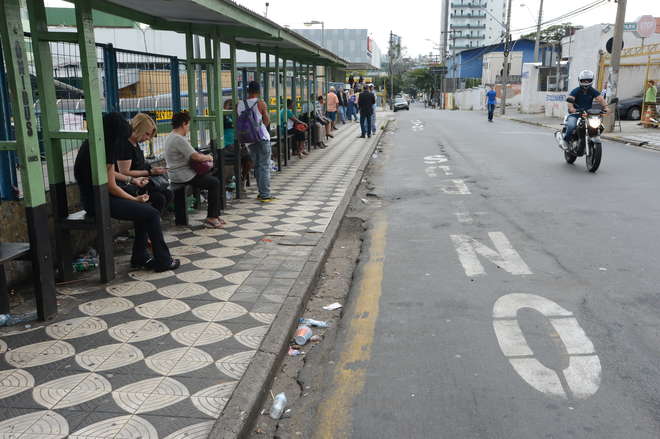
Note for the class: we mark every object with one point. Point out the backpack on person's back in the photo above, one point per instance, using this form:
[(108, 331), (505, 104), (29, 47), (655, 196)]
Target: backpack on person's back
[(248, 128)]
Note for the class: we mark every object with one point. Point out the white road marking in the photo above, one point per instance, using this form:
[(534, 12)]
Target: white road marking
[(446, 169), (583, 374), (504, 255), (435, 159), (430, 171), (456, 187), (465, 217)]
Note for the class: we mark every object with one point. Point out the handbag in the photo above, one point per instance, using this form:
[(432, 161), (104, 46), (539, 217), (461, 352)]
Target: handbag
[(159, 183), (202, 168), (300, 127)]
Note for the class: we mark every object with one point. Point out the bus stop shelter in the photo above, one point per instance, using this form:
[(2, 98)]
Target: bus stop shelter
[(280, 53)]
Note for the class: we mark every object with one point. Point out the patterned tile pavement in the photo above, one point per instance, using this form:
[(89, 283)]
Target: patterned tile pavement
[(157, 355)]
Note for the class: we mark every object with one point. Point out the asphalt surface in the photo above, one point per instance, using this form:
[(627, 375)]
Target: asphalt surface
[(580, 248)]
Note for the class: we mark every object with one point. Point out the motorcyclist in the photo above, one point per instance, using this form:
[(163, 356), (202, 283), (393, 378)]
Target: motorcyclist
[(581, 99)]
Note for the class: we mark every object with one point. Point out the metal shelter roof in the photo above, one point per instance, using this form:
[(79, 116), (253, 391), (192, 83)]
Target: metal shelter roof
[(225, 20)]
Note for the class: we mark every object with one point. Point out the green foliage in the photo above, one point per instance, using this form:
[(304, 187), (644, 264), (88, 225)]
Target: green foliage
[(553, 34)]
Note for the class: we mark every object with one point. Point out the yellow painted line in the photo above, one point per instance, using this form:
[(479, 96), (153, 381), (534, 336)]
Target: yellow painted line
[(335, 411)]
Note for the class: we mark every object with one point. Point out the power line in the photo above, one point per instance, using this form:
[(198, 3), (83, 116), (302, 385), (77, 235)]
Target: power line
[(573, 13)]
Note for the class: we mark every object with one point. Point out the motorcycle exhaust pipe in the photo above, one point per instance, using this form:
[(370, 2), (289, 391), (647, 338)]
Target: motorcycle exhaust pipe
[(560, 140)]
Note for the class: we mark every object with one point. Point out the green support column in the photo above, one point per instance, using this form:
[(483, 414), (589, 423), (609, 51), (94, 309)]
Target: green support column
[(218, 112), (27, 149), (284, 98), (210, 84), (278, 100), (258, 71), (48, 105), (93, 113), (192, 95), (294, 96), (267, 82), (234, 94), (308, 92)]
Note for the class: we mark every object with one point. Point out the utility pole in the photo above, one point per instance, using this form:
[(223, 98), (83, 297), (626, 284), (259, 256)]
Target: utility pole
[(391, 56), (537, 43), (505, 69), (444, 26), (616, 60)]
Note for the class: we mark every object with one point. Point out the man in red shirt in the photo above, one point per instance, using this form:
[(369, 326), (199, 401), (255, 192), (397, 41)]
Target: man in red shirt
[(332, 102)]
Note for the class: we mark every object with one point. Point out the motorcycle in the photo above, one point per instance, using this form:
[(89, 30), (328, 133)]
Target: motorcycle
[(586, 139)]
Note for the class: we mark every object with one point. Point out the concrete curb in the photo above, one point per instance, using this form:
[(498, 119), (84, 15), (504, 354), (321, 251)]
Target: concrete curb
[(606, 136), (243, 406)]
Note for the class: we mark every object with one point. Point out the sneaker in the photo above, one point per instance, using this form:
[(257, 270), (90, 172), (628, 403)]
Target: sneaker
[(361, 137), (266, 199)]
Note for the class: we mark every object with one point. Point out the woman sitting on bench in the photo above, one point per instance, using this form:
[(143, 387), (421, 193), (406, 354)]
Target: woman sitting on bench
[(179, 154), (138, 176), (124, 206)]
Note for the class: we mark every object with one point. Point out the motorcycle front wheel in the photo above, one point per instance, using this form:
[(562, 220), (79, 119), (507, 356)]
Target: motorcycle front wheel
[(569, 157), (593, 159)]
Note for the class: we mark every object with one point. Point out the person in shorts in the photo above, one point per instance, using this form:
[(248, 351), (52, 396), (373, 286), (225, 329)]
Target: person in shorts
[(332, 105)]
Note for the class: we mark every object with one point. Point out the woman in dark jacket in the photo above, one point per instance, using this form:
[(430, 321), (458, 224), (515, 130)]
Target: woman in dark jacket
[(124, 206), (133, 170)]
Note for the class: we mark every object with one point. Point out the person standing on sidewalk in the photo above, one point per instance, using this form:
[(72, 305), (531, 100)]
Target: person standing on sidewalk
[(491, 101), (260, 152), (373, 109), (650, 105), (332, 104), (366, 103)]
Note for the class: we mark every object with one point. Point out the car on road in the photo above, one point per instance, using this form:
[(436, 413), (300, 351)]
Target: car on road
[(401, 104)]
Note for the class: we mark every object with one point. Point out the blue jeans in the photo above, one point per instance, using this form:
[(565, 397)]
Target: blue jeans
[(373, 119), (571, 124), (365, 123), (342, 114), (491, 110), (352, 112), (260, 153)]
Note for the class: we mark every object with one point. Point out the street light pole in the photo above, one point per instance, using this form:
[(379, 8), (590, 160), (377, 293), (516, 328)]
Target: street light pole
[(505, 69), (322, 23), (616, 61), (537, 42)]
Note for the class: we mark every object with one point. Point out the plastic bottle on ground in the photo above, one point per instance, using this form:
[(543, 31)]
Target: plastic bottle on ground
[(279, 404)]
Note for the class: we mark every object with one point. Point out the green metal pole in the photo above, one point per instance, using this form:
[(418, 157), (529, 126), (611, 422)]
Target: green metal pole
[(94, 112), (285, 136), (278, 102), (308, 92), (294, 90), (210, 83), (192, 95), (48, 106), (218, 112), (27, 148), (234, 94), (267, 84)]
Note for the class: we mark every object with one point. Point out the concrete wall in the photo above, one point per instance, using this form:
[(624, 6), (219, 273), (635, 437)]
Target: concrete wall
[(531, 100), (583, 50), (555, 104), (470, 99), (493, 63)]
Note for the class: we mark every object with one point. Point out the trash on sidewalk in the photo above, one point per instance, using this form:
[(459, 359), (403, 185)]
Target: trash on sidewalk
[(279, 404), (364, 200), (11, 320), (316, 338), (333, 306), (302, 335), (86, 262), (602, 269), (312, 322), (293, 352)]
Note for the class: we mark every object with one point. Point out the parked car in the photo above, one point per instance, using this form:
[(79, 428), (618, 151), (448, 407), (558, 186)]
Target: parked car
[(631, 108), (401, 104)]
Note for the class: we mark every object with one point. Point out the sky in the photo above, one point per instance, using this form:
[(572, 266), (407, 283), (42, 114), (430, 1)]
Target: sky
[(418, 21)]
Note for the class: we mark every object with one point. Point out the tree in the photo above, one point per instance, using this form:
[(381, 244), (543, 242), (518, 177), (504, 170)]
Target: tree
[(554, 33)]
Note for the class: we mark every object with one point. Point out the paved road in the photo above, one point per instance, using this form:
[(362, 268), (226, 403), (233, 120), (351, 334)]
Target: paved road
[(503, 293)]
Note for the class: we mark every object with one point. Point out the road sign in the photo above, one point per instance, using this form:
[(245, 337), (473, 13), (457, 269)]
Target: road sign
[(645, 26), (630, 27), (440, 70)]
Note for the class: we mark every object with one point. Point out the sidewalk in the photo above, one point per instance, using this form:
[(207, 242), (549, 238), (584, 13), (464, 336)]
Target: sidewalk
[(159, 355), (631, 132)]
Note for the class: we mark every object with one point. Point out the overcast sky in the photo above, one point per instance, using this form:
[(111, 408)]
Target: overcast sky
[(418, 20)]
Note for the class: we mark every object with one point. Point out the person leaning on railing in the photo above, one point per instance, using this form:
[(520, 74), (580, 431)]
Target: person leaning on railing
[(135, 175), (124, 206)]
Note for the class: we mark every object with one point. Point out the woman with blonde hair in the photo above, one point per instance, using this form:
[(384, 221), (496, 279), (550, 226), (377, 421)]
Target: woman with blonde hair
[(134, 174)]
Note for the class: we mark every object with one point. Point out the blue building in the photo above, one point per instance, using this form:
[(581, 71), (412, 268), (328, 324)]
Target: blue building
[(473, 63)]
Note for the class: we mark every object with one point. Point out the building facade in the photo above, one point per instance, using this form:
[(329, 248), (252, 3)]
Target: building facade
[(472, 23), (353, 45)]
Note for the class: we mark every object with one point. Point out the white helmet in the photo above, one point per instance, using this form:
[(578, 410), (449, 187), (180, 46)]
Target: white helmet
[(586, 78)]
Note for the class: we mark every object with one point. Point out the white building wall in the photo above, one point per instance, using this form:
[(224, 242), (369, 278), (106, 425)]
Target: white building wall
[(583, 50), (493, 63)]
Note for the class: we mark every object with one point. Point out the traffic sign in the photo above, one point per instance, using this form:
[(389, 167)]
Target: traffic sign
[(441, 70), (645, 26)]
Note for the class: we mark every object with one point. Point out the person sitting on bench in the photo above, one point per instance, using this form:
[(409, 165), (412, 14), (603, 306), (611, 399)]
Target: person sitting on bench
[(135, 175), (179, 154), (289, 121), (124, 206)]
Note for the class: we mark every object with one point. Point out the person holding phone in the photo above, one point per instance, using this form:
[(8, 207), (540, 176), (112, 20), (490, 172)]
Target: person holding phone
[(135, 173), (124, 206)]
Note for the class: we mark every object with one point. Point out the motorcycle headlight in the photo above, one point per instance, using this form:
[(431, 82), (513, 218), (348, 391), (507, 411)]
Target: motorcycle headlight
[(594, 122)]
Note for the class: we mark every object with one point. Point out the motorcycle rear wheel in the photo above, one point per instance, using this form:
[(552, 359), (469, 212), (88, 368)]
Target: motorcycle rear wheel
[(569, 157), (593, 159)]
